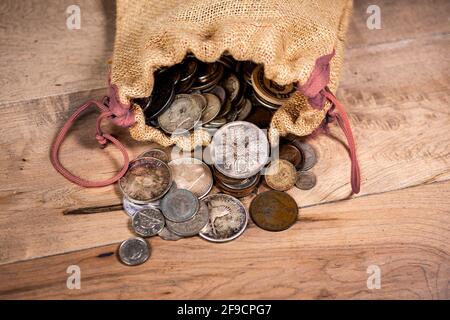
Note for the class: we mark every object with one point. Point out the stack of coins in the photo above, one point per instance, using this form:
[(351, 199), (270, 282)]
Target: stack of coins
[(193, 94), (239, 151)]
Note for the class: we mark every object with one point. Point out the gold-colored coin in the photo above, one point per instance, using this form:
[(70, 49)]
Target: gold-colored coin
[(281, 175)]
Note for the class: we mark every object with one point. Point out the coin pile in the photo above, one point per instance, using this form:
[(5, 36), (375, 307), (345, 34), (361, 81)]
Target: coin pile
[(209, 95), (170, 199)]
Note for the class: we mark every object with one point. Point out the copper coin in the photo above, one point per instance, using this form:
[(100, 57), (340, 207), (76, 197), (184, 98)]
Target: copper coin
[(273, 210), (280, 175), (291, 153), (308, 153), (146, 180), (193, 175), (155, 153), (306, 180)]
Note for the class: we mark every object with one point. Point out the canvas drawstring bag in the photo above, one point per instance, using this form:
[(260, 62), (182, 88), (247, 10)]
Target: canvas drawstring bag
[(296, 41)]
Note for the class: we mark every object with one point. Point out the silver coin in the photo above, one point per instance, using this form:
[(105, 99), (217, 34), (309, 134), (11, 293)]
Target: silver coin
[(308, 153), (212, 108), (166, 234), (244, 112), (148, 222), (193, 175), (192, 226), (228, 218), (306, 180), (239, 149), (179, 205), (134, 251), (182, 115), (155, 153), (131, 208)]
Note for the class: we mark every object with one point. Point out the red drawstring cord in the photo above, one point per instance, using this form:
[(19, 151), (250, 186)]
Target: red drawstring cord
[(344, 123), (101, 137)]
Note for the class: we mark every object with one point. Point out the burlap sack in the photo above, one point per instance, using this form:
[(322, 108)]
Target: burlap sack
[(287, 36)]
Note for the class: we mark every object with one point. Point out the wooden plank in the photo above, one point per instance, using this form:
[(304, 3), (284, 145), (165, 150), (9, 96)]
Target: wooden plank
[(41, 57), (399, 114), (324, 256)]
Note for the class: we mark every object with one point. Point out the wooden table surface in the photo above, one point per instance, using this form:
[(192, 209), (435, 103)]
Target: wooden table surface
[(395, 85)]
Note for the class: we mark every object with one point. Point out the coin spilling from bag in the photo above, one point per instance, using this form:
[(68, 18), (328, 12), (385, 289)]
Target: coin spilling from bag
[(175, 198)]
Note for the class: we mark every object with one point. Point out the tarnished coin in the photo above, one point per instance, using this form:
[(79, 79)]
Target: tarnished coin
[(131, 208), (179, 205), (166, 234), (192, 226), (148, 222), (155, 153), (220, 93), (226, 108), (308, 153), (181, 116), (160, 99), (146, 180), (280, 175), (232, 86), (212, 108), (200, 99), (291, 153), (274, 210), (269, 90), (305, 180), (134, 251), (239, 149), (193, 175), (227, 218), (245, 110)]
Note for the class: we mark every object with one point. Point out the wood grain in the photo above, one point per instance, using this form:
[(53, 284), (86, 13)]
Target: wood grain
[(42, 57), (324, 256), (400, 118), (395, 86)]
